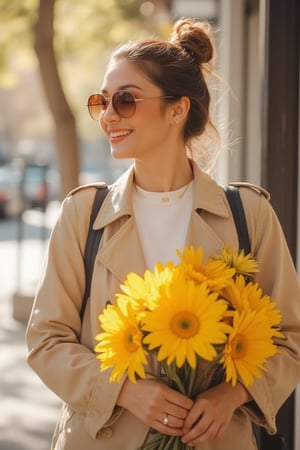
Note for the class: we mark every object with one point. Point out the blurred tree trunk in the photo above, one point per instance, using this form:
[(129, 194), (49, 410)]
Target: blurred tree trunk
[(65, 126)]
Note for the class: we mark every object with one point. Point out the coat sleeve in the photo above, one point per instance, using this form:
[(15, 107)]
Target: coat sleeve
[(278, 278), (67, 367)]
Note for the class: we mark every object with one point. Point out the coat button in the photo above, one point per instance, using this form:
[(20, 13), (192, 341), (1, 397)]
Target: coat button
[(107, 432)]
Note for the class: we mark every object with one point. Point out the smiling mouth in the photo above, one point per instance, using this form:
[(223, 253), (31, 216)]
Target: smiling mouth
[(117, 134)]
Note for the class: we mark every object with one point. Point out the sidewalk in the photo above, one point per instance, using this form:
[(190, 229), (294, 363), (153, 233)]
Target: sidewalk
[(28, 409)]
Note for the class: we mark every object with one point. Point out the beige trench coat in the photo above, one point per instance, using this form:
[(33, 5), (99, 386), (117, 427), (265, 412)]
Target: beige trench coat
[(61, 350)]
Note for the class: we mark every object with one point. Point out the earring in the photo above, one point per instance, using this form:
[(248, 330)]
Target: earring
[(177, 121)]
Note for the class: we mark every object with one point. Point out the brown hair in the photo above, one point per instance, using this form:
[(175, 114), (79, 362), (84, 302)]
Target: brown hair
[(179, 68)]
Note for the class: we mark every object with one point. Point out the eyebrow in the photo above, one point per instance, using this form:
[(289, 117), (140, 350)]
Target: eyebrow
[(124, 86)]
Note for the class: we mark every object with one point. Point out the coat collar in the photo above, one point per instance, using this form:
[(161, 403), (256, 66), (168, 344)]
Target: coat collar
[(208, 196), (118, 201)]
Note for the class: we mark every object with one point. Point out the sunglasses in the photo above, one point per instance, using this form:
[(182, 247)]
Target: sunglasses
[(124, 103)]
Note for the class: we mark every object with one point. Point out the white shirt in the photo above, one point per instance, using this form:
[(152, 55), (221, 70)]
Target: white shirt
[(162, 220)]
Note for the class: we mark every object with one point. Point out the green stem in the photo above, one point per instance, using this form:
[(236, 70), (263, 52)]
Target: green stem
[(162, 444), (191, 381), (170, 370), (152, 445), (198, 386), (167, 443)]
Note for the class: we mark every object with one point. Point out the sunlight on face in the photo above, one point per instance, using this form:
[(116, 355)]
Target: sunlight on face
[(146, 132)]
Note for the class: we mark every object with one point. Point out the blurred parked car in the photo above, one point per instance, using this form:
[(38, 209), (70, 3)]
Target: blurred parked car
[(35, 186), (10, 199), (30, 187)]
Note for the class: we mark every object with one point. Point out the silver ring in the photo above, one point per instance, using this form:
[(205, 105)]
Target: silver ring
[(166, 420)]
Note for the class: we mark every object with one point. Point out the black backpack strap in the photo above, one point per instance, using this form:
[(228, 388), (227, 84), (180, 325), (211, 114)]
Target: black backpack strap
[(236, 205), (92, 245), (264, 440)]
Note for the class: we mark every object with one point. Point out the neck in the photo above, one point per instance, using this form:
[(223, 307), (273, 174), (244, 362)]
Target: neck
[(163, 177)]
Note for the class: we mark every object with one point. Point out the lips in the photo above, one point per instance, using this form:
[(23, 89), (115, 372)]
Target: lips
[(119, 133)]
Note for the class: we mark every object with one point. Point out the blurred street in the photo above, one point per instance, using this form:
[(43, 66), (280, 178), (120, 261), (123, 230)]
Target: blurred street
[(28, 409)]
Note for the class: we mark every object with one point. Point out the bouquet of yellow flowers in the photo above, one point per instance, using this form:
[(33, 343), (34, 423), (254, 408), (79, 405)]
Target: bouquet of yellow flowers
[(200, 318)]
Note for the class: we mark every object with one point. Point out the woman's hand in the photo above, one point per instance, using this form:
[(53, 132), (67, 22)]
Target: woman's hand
[(152, 401), (212, 412)]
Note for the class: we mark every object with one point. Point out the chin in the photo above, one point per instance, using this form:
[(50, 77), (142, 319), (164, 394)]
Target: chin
[(121, 154)]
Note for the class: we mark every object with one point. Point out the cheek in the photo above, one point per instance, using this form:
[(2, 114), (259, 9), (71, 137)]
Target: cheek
[(102, 125)]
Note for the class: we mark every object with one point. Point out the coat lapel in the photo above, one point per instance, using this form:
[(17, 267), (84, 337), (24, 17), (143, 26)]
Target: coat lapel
[(210, 213), (201, 234), (122, 253)]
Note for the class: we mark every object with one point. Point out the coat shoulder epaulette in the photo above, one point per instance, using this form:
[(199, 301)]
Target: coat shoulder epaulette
[(254, 187), (97, 185)]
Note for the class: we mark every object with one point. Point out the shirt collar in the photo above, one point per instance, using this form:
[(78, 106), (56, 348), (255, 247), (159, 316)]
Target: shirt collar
[(208, 196)]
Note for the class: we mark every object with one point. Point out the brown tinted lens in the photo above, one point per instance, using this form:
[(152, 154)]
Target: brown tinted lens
[(124, 103), (96, 104)]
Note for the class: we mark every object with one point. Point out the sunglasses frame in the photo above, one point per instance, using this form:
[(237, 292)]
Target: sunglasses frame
[(116, 106)]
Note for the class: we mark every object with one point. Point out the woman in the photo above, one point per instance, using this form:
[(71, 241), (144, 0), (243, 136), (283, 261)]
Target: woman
[(154, 103)]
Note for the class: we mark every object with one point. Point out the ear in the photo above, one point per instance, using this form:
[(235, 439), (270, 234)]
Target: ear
[(180, 110)]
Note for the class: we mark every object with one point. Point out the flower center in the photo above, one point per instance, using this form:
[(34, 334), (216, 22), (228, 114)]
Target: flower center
[(239, 346), (185, 324), (131, 339)]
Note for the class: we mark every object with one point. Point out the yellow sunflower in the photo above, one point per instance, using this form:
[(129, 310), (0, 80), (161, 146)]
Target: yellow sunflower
[(120, 345), (259, 302), (136, 290), (244, 295), (242, 264), (249, 345), (216, 274), (186, 322), (142, 292)]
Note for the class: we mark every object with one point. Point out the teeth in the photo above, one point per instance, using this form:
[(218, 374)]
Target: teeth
[(115, 134)]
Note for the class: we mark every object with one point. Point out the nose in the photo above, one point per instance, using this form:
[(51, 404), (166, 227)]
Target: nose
[(109, 114)]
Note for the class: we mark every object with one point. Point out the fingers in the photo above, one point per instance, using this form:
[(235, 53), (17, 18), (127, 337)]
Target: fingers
[(169, 410), (205, 429), (171, 421), (168, 401), (168, 424), (178, 400), (209, 417), (156, 405)]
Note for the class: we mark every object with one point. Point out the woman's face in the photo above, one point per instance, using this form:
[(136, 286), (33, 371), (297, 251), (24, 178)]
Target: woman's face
[(144, 134)]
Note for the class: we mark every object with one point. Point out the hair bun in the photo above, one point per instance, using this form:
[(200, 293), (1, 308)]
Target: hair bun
[(195, 38)]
